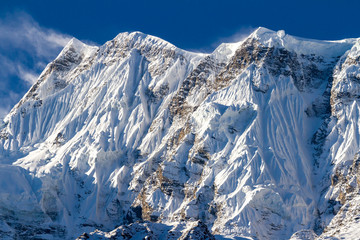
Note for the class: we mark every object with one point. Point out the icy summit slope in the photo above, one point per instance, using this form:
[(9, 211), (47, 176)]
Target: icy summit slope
[(139, 130)]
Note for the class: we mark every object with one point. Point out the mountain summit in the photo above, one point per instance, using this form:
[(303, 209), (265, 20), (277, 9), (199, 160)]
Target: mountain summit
[(138, 138)]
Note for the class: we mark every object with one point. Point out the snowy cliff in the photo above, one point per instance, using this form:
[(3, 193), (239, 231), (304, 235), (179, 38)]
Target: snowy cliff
[(259, 139)]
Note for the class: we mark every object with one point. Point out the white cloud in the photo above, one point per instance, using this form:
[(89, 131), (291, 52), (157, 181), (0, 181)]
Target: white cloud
[(22, 32), (3, 113), (27, 75), (25, 49), (7, 102)]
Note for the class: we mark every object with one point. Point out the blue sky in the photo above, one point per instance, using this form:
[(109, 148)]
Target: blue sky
[(32, 33)]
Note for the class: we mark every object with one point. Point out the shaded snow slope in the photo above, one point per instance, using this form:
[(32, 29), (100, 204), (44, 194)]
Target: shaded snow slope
[(140, 130)]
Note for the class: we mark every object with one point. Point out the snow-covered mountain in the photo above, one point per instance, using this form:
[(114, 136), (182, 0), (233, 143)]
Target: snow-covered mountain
[(138, 138)]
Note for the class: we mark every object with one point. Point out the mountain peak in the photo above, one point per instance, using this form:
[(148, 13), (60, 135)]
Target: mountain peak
[(76, 46), (260, 31), (300, 45), (73, 43), (139, 38)]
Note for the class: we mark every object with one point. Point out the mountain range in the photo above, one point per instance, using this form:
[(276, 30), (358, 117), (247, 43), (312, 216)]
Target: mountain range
[(138, 139)]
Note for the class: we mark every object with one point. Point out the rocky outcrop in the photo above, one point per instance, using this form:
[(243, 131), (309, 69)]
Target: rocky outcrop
[(153, 231)]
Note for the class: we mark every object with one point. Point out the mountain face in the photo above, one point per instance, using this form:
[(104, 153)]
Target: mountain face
[(138, 139)]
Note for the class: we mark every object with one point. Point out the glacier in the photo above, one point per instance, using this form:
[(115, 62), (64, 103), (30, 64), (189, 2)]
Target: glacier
[(138, 138)]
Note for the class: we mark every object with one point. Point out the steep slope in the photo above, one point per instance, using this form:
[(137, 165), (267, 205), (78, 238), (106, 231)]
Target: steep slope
[(139, 130), (77, 135), (342, 155)]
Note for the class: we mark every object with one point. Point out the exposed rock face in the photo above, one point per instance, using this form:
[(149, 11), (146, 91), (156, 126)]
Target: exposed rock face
[(190, 230), (257, 140)]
